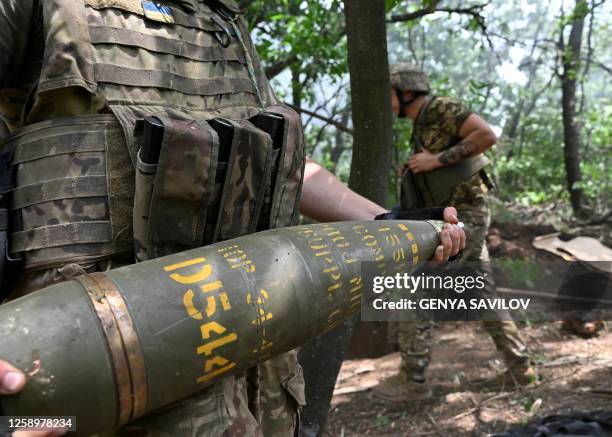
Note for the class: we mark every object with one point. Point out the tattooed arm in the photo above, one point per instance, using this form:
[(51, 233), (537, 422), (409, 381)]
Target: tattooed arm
[(458, 152), (477, 137)]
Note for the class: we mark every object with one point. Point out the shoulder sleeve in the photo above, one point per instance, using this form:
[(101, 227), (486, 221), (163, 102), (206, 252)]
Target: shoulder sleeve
[(449, 114), (17, 19)]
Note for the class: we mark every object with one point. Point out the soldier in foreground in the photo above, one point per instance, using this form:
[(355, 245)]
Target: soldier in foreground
[(447, 168), (77, 81)]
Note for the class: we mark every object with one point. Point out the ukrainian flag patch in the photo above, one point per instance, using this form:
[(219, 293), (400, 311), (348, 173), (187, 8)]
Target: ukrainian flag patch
[(157, 12)]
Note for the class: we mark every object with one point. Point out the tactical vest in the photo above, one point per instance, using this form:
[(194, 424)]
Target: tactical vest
[(435, 188), (107, 65)]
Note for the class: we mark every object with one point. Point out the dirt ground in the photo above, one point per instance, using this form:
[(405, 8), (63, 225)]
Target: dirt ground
[(576, 375)]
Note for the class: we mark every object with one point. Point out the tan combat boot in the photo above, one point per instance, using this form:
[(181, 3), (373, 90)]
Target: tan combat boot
[(511, 379), (522, 375), (399, 388)]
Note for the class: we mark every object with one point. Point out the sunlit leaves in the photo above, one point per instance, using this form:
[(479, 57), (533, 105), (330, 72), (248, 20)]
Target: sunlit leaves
[(312, 32), (461, 64)]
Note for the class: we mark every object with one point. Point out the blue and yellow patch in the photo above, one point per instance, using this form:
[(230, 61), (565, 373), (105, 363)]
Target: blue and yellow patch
[(157, 12)]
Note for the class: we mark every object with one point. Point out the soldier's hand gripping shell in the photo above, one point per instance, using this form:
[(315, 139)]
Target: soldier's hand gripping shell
[(453, 237)]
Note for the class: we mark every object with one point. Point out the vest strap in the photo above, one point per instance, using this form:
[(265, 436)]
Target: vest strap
[(178, 17), (76, 142), (190, 20), (61, 235), (83, 186), (186, 49), (163, 79)]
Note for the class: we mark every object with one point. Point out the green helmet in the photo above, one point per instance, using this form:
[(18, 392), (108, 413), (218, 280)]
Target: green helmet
[(409, 77)]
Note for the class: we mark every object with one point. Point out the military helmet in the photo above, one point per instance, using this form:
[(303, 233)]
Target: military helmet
[(409, 77)]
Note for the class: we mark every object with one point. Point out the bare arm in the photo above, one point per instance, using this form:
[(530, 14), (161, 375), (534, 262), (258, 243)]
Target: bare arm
[(477, 137), (326, 199)]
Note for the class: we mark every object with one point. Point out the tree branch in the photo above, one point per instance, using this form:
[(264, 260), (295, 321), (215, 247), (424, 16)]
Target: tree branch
[(317, 140), (328, 120), (415, 58), (414, 15), (474, 11), (602, 66), (325, 104), (276, 68), (410, 16)]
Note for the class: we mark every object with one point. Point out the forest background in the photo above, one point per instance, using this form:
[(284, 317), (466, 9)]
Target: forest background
[(537, 71)]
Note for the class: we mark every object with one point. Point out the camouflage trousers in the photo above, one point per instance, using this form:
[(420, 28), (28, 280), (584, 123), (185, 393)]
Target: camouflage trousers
[(415, 338), (263, 402)]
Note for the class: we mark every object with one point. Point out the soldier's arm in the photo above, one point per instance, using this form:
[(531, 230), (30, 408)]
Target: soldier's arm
[(326, 199), (477, 136)]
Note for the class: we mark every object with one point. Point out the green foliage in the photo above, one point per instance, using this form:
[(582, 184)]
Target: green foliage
[(596, 175), (381, 421), (390, 4), (529, 167), (311, 34), (402, 129), (580, 11), (515, 79)]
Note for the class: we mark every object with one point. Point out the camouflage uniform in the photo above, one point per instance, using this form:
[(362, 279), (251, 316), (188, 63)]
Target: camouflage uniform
[(107, 63), (437, 128), (284, 372)]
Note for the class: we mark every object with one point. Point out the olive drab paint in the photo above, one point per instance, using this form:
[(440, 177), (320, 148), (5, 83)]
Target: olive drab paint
[(110, 347)]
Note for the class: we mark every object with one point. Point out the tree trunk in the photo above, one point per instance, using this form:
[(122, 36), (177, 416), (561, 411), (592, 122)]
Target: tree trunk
[(371, 98), (372, 151), (571, 128)]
